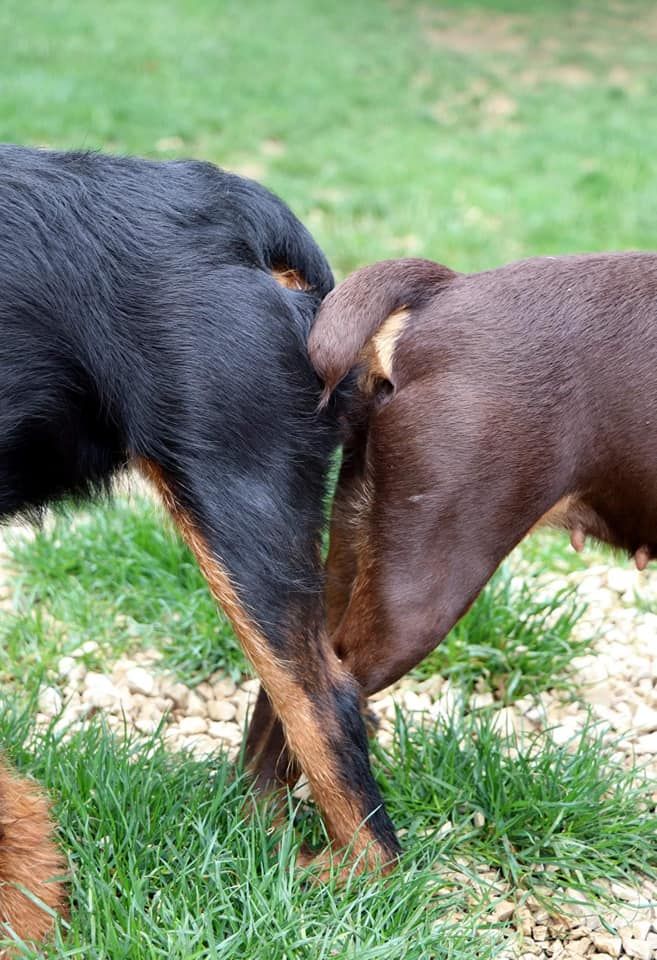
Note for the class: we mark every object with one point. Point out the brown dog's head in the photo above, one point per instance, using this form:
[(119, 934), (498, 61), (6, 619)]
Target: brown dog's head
[(29, 860)]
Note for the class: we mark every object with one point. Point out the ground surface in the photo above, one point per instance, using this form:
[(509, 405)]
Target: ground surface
[(472, 133)]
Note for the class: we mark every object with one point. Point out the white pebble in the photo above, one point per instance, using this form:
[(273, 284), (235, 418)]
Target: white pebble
[(50, 701), (196, 706), (140, 681), (188, 726), (225, 731), (221, 710), (639, 949)]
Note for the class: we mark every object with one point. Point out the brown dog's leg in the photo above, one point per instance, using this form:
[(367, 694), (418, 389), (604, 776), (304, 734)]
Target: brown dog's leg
[(282, 633), (431, 543)]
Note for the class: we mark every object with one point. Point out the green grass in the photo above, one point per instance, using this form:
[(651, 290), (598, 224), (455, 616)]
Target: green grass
[(512, 641), (520, 129), (120, 577), (164, 863)]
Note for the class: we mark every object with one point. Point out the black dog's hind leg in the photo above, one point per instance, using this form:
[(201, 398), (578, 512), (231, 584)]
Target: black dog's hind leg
[(266, 750), (242, 552)]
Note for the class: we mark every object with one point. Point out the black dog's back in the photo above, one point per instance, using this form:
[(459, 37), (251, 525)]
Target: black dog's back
[(141, 320), (113, 273)]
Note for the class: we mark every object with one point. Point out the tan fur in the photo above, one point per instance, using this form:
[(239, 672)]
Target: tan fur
[(290, 279), (377, 355), (29, 858), (557, 516), (306, 737), (385, 340)]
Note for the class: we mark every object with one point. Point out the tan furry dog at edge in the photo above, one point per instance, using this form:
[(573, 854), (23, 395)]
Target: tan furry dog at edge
[(29, 861)]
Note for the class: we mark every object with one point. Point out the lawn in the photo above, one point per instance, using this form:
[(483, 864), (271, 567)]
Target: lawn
[(471, 133)]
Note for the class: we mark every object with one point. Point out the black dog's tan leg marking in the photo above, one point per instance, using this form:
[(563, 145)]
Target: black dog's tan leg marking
[(266, 749), (313, 695)]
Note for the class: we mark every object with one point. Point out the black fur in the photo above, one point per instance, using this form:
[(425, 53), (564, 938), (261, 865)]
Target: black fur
[(139, 320)]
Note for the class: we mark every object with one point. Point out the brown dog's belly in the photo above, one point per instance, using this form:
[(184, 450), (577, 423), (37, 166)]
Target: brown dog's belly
[(634, 532)]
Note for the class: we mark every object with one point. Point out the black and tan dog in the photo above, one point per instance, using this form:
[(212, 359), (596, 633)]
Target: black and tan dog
[(156, 315), (492, 402)]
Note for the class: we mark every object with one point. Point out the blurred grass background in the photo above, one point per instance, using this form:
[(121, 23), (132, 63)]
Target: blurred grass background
[(472, 133)]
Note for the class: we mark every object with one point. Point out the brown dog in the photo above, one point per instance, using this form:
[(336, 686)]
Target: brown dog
[(492, 401), (29, 860)]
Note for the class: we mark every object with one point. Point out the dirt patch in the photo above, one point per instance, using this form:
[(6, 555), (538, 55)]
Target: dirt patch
[(566, 75), (474, 33)]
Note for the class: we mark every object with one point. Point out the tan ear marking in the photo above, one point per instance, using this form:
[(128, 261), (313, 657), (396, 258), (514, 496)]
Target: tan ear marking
[(385, 340)]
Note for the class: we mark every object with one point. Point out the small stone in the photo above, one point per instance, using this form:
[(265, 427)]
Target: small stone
[(196, 706), (188, 726), (148, 723), (417, 702), (523, 921), (479, 819), (479, 701), (99, 690), (620, 580), (164, 704), (578, 948), (385, 707), (50, 701), (639, 949), (506, 722), (503, 911), (225, 731), (203, 746), (65, 665), (624, 892), (606, 943), (88, 647), (223, 687), (140, 681), (204, 690), (178, 692), (540, 932), (250, 686), (645, 719), (221, 710)]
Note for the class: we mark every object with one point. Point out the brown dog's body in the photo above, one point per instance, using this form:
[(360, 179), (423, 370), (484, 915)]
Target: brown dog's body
[(29, 860), (493, 401)]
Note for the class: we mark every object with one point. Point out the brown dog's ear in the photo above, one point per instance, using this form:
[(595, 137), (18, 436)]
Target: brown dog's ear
[(363, 304)]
